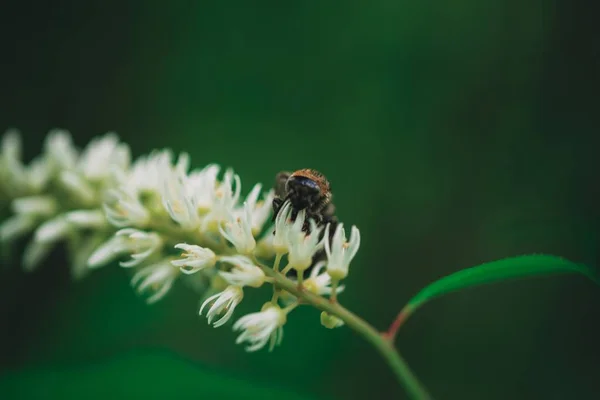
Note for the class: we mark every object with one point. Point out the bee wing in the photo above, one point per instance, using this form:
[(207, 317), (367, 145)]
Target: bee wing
[(280, 180), (329, 211)]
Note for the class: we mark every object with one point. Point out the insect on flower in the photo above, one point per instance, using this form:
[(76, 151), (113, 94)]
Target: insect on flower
[(306, 190)]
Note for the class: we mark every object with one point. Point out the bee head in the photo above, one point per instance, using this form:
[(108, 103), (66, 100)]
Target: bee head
[(302, 191)]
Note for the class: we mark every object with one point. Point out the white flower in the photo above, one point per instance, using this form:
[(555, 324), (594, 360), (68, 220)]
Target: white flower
[(34, 253), (203, 183), (283, 225), (60, 150), (10, 157), (87, 218), (52, 230), (17, 178), (43, 240), (12, 145), (123, 208), (341, 252), (108, 251), (145, 173), (16, 226), (183, 162), (224, 202), (196, 258), (101, 155), (260, 209), (178, 200), (139, 244), (264, 247), (319, 281), (243, 273), (239, 232), (158, 278), (261, 327), (81, 252), (78, 186), (38, 173), (303, 246), (153, 179), (224, 303), (43, 206)]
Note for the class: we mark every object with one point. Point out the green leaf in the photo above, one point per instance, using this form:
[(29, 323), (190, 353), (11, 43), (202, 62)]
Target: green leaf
[(149, 376), (497, 271)]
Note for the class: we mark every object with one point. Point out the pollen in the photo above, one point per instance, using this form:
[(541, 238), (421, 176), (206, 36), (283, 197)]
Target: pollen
[(177, 207)]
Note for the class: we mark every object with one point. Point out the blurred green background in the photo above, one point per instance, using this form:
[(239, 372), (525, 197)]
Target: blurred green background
[(453, 133)]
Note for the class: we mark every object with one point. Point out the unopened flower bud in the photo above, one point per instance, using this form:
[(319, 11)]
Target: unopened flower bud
[(330, 321)]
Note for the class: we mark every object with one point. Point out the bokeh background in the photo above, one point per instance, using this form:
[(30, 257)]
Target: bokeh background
[(453, 133)]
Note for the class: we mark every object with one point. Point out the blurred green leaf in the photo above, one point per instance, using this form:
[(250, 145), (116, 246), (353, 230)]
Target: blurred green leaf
[(497, 271), (155, 376)]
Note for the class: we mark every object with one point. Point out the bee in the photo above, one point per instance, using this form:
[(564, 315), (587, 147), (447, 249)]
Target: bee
[(306, 189)]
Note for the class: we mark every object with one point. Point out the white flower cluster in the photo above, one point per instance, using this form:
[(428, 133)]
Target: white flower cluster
[(59, 194), (165, 222)]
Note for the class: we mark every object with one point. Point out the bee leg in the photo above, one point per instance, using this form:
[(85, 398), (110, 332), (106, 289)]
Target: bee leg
[(316, 217), (321, 205), (294, 214), (277, 203)]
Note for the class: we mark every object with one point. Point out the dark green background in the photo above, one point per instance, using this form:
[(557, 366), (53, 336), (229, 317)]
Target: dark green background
[(453, 133)]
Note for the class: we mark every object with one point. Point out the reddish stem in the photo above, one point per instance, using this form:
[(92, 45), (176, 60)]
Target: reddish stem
[(402, 316)]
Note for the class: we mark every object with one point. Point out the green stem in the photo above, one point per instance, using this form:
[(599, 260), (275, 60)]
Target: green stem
[(275, 288), (300, 279), (277, 261), (286, 269), (334, 286), (384, 347)]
